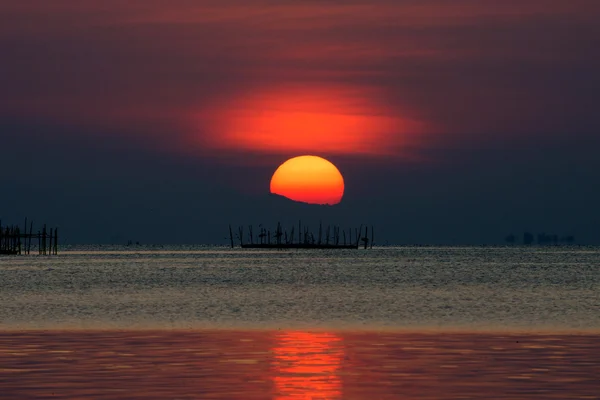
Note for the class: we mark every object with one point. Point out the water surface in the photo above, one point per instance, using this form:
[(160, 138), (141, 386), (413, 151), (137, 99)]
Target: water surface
[(289, 365), (215, 323), (515, 288)]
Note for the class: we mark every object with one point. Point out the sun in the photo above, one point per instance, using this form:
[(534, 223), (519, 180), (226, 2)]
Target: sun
[(309, 179)]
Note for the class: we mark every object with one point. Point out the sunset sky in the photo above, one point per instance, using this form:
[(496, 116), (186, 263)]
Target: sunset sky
[(451, 121)]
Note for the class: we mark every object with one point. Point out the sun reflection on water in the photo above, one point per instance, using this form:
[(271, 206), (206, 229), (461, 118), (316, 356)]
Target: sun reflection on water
[(307, 365)]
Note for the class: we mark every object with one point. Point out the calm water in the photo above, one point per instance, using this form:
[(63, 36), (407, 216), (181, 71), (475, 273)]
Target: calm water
[(393, 323), (293, 365), (530, 288)]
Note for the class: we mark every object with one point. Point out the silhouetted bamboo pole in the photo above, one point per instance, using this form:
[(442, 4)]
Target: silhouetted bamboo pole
[(241, 235), (25, 237), (44, 236), (55, 241), (278, 233), (30, 237), (231, 236), (50, 245), (320, 232), (18, 239)]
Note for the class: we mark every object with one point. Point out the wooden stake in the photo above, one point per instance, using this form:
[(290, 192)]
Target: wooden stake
[(18, 235), (25, 237), (55, 241), (44, 236), (30, 237), (320, 232), (50, 244)]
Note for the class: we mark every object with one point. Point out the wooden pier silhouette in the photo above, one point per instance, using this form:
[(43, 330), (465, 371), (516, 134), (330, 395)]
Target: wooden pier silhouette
[(17, 241), (331, 238)]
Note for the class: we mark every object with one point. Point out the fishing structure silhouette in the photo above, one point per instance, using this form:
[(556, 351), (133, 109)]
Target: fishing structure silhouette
[(331, 238), (14, 241)]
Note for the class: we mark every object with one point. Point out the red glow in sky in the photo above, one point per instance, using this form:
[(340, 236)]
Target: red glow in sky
[(345, 120), (361, 77)]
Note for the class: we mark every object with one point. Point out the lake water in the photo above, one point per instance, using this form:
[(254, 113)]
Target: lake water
[(387, 323), (530, 288)]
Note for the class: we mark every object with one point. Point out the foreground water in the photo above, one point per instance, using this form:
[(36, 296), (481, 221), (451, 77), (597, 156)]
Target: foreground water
[(393, 323), (296, 365)]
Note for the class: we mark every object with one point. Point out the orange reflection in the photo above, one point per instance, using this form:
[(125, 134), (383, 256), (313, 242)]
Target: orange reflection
[(306, 120), (307, 366)]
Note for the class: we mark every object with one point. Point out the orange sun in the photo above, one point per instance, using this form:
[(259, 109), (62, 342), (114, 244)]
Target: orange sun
[(309, 179)]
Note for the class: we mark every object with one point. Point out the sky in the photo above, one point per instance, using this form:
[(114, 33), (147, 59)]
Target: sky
[(452, 122)]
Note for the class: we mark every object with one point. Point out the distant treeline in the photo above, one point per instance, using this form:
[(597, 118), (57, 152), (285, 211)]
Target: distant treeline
[(542, 239)]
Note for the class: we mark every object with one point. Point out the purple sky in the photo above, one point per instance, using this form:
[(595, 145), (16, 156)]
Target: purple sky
[(452, 121)]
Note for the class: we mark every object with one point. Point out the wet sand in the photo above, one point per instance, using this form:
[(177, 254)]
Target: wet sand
[(254, 364)]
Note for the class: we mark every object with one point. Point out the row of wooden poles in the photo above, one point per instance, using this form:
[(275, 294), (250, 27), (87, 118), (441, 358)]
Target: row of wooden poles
[(331, 235), (15, 241)]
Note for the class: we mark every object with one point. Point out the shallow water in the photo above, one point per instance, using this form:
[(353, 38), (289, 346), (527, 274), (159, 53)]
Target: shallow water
[(473, 288)]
